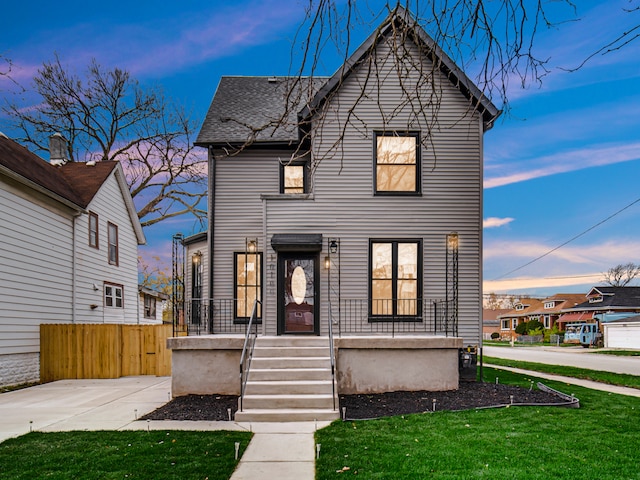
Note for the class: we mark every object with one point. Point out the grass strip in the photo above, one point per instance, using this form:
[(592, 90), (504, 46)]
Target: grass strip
[(122, 455), (521, 443), (620, 379)]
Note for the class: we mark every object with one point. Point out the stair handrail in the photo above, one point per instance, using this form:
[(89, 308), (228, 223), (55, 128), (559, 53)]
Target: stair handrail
[(247, 351), (333, 359)]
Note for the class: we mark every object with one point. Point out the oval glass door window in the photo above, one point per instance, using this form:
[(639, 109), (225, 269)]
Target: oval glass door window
[(298, 285)]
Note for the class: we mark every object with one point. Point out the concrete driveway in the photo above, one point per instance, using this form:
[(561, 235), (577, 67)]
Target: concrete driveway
[(569, 356), (108, 404)]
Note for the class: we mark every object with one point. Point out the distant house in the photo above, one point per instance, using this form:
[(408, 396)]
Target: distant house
[(377, 241), (151, 305), (68, 250), (490, 321), (603, 304), (552, 308), (525, 310)]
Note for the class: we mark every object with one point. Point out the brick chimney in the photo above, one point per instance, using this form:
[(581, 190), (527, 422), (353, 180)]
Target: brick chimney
[(58, 150)]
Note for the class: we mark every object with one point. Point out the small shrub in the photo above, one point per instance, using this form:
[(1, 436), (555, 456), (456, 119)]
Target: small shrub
[(535, 325), (495, 336), (521, 328)]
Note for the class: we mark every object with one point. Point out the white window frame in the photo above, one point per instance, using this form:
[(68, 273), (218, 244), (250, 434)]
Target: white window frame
[(111, 297)]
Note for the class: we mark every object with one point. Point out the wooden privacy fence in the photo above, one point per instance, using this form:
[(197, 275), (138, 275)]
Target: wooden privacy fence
[(103, 351)]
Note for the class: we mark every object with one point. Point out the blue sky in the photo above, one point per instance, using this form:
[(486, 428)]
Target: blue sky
[(565, 159)]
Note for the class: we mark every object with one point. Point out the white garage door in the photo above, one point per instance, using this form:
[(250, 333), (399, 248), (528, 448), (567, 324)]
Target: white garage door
[(622, 335)]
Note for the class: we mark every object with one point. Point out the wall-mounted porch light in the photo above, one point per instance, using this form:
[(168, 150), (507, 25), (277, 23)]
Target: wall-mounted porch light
[(333, 245), (197, 258), (251, 245), (453, 241), (327, 262)]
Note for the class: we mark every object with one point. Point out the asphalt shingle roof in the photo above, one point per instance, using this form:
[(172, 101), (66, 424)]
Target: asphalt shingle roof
[(75, 181), (253, 109)]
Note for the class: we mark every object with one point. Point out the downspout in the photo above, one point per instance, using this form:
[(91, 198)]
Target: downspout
[(265, 261), (73, 267)]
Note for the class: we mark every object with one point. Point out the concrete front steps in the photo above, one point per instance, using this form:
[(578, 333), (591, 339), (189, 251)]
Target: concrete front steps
[(289, 381)]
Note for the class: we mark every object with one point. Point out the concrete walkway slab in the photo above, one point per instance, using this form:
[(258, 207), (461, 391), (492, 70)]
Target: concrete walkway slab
[(108, 404)]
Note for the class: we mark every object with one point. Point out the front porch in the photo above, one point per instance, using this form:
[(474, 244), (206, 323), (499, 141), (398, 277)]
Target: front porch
[(287, 383)]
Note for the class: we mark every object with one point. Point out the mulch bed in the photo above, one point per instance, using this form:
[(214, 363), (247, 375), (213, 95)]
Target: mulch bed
[(470, 395)]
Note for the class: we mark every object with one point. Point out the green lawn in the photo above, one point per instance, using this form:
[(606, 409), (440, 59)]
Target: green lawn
[(620, 379), (121, 455), (601, 440)]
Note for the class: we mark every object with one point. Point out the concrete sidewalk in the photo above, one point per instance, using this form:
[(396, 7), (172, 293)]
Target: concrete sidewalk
[(277, 450), (632, 392)]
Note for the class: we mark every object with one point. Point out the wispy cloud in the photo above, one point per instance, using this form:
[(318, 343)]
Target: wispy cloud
[(160, 45), (563, 162), (494, 222), (531, 284)]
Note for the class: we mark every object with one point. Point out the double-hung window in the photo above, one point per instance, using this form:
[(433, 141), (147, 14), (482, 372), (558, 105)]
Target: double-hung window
[(293, 178), (113, 297), (248, 285), (112, 233), (397, 163), (94, 237), (395, 279), (149, 306)]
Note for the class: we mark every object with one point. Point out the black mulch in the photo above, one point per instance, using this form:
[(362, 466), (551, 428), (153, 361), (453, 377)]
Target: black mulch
[(469, 396)]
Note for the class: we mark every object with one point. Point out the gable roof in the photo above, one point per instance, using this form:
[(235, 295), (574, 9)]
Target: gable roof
[(612, 298), (254, 110), (73, 184), (531, 306), (268, 111), (402, 19)]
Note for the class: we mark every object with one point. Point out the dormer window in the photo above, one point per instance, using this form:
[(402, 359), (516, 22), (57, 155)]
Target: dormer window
[(293, 178), (548, 305), (595, 299), (519, 307)]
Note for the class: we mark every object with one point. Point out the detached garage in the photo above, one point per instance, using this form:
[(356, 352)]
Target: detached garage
[(623, 333)]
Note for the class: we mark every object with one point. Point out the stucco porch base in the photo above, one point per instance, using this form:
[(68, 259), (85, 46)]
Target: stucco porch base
[(364, 364), (205, 365), (375, 364)]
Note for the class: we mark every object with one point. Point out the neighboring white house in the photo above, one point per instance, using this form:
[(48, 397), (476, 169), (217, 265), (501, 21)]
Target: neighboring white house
[(68, 250), (151, 304)]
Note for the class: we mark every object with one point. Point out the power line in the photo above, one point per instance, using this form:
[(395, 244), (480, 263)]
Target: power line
[(568, 241)]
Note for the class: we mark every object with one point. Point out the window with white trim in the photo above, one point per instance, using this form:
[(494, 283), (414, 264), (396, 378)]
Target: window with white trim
[(113, 295), (149, 306)]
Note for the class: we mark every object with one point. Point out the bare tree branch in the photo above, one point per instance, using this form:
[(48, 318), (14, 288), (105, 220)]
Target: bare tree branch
[(107, 116), (621, 275)]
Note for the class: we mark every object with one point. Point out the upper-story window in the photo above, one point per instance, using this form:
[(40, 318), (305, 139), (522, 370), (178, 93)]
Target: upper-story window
[(397, 163), (293, 178), (94, 236), (595, 299), (548, 305), (112, 233)]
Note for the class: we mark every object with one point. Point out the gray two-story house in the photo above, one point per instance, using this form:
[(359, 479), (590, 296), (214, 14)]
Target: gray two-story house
[(350, 208)]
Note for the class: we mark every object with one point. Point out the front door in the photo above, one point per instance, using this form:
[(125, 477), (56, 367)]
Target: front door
[(298, 294)]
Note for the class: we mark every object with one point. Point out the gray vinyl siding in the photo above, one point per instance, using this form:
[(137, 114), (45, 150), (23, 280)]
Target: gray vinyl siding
[(342, 203), (35, 267)]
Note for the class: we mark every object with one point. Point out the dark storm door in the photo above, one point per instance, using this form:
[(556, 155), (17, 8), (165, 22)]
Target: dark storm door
[(298, 282)]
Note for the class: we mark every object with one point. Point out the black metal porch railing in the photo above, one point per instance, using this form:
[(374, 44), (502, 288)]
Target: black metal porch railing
[(353, 316), (391, 317)]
